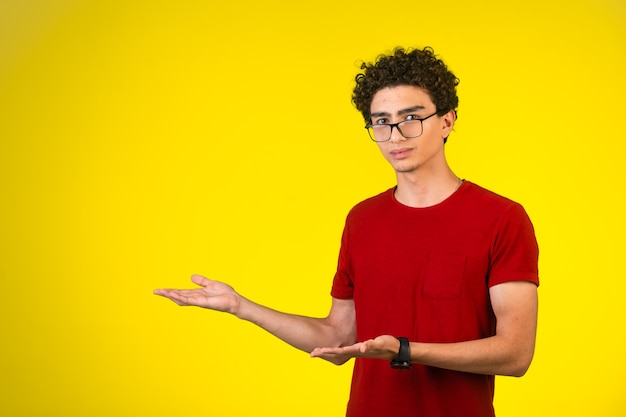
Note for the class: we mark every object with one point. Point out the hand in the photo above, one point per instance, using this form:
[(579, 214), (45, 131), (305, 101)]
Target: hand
[(382, 347), (213, 295)]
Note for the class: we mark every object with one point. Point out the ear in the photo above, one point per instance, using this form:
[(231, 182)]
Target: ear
[(447, 123)]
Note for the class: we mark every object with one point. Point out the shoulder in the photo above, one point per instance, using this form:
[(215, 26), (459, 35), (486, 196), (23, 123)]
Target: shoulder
[(476, 191), (505, 217), (474, 195), (373, 204), (489, 210)]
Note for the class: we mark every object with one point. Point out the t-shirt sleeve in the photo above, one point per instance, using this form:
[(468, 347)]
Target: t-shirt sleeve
[(514, 252), (343, 286)]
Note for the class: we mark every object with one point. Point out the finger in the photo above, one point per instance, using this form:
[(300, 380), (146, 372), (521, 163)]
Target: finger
[(319, 351), (168, 292), (368, 345), (163, 292), (200, 280), (326, 351), (174, 296)]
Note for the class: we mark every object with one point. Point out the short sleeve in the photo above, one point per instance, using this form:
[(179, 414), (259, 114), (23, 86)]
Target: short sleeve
[(343, 286), (514, 252)]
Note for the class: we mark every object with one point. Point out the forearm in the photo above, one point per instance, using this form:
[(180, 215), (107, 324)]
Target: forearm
[(301, 332), (508, 352), (495, 355)]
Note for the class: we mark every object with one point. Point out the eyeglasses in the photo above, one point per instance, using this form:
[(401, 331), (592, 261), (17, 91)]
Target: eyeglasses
[(408, 128)]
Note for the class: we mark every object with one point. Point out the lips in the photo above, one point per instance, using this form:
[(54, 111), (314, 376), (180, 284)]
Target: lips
[(400, 153)]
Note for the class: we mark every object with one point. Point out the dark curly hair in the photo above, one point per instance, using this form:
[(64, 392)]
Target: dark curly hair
[(417, 67)]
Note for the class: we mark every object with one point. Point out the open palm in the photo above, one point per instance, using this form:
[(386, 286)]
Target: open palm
[(214, 295)]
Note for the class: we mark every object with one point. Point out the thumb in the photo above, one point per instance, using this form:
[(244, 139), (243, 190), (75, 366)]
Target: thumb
[(199, 280)]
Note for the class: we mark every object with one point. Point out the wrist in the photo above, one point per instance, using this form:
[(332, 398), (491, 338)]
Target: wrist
[(241, 308), (403, 358), (395, 349)]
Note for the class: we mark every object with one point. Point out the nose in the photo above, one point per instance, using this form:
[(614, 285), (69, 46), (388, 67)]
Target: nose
[(396, 136)]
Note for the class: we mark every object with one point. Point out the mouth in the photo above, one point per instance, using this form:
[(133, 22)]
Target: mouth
[(400, 153)]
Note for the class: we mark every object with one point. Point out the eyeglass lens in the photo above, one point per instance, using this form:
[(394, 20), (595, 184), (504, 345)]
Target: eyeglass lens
[(408, 129)]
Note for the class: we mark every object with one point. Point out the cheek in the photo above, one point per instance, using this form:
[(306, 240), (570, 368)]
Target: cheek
[(383, 149), (434, 139)]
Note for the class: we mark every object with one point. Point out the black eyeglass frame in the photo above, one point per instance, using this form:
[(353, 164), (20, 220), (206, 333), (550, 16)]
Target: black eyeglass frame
[(397, 126)]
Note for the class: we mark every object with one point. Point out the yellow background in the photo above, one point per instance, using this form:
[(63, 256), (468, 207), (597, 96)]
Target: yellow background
[(143, 141)]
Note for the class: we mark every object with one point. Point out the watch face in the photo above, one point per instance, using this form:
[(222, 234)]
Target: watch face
[(396, 364)]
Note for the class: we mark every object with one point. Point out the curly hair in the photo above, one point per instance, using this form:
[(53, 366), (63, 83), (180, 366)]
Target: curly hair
[(417, 67)]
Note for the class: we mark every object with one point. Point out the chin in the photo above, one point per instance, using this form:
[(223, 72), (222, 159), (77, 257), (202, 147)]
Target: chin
[(405, 168)]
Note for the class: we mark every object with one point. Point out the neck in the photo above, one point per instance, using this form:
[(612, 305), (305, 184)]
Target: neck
[(426, 190)]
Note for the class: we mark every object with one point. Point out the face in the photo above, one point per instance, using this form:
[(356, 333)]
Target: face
[(424, 153)]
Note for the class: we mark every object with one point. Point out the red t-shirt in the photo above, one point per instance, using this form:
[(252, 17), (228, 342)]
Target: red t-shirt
[(425, 273)]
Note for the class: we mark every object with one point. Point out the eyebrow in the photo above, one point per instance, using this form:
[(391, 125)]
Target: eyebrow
[(400, 113)]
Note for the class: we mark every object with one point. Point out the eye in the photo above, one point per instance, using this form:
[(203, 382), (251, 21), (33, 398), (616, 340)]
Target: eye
[(380, 121), (412, 117)]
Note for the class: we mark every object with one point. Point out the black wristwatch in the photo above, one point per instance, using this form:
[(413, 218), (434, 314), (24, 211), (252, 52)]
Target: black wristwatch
[(403, 360)]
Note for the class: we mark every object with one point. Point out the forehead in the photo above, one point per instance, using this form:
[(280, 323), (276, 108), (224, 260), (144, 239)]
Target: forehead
[(391, 99)]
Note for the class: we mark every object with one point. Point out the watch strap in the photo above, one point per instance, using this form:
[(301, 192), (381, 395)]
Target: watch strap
[(403, 360)]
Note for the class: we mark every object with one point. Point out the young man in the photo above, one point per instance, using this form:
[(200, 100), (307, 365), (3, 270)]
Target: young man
[(436, 287)]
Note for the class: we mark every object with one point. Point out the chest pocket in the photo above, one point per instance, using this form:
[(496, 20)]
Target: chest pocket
[(444, 276)]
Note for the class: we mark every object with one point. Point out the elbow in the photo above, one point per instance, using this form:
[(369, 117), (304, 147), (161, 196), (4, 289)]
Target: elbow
[(520, 366), (519, 371)]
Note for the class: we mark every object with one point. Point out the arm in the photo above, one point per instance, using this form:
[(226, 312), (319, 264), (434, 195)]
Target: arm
[(305, 333), (508, 352)]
